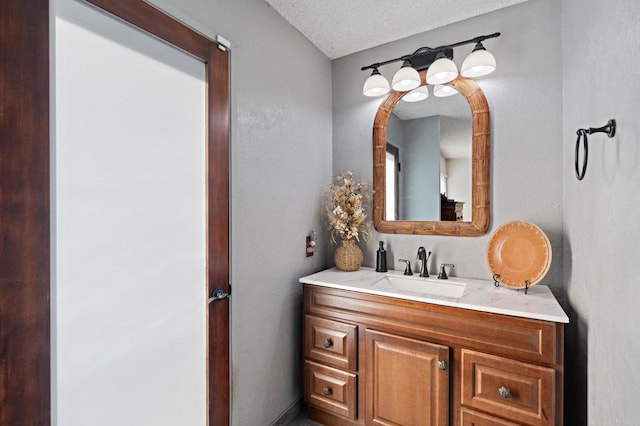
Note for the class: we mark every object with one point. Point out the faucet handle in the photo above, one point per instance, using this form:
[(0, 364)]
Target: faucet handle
[(443, 273), (407, 269)]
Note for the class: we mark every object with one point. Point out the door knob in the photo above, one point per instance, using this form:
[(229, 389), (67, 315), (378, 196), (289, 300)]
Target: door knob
[(218, 294)]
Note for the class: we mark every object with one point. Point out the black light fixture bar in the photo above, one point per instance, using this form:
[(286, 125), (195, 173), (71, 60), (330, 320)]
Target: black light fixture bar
[(422, 60), (425, 56)]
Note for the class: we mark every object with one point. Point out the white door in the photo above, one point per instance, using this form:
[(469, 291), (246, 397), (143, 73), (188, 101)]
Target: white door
[(128, 202)]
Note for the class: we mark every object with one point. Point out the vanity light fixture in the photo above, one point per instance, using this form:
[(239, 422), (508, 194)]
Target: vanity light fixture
[(439, 65), (442, 91), (416, 95), (376, 84), (407, 78), (480, 62), (443, 70)]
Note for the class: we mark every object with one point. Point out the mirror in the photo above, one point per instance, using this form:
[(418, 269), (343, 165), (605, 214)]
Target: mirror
[(429, 154), (412, 142)]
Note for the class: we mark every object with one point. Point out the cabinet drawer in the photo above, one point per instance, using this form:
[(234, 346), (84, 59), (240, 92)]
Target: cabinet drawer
[(331, 342), (476, 418), (330, 389), (510, 389)]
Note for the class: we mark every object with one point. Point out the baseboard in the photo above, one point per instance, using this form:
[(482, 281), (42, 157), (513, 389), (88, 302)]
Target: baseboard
[(290, 414)]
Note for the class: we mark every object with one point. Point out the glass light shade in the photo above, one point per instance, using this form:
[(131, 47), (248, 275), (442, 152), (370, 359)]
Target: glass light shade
[(407, 78), (480, 62), (443, 91), (442, 71), (376, 85), (416, 95)]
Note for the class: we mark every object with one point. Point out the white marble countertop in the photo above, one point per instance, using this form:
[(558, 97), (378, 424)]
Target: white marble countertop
[(479, 295)]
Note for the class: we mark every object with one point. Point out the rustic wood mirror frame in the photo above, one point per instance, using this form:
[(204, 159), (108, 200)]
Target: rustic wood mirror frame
[(480, 169)]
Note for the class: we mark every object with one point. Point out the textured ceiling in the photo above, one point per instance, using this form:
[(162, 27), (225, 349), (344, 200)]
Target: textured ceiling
[(341, 27)]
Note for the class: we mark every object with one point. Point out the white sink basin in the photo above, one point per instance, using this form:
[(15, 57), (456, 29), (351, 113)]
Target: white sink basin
[(421, 286)]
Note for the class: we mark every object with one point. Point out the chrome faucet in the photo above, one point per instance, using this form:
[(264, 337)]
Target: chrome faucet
[(423, 257)]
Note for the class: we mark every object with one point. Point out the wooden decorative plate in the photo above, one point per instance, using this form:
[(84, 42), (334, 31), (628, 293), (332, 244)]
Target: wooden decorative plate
[(519, 252)]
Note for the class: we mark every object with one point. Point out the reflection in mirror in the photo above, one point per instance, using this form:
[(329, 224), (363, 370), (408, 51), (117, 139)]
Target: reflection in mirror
[(409, 200), (429, 154)]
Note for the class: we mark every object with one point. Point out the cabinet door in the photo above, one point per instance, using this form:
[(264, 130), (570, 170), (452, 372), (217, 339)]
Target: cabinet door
[(407, 381)]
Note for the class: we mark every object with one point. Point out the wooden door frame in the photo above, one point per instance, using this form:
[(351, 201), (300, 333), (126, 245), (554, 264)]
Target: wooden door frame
[(25, 370), (25, 237)]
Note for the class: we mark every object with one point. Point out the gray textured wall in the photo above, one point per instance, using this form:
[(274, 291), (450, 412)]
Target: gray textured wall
[(601, 54), (525, 97), (281, 161)]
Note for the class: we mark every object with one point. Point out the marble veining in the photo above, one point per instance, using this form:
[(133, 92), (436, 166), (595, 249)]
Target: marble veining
[(479, 295)]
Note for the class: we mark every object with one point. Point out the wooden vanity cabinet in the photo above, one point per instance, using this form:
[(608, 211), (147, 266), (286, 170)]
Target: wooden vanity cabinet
[(374, 360)]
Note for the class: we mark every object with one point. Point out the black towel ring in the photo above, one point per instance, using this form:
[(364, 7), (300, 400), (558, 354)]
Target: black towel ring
[(609, 129), (582, 134)]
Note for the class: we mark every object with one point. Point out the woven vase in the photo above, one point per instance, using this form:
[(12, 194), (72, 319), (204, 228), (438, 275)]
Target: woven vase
[(348, 256)]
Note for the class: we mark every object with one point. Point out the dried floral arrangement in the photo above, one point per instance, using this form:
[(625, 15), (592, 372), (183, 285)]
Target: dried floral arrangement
[(345, 207)]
